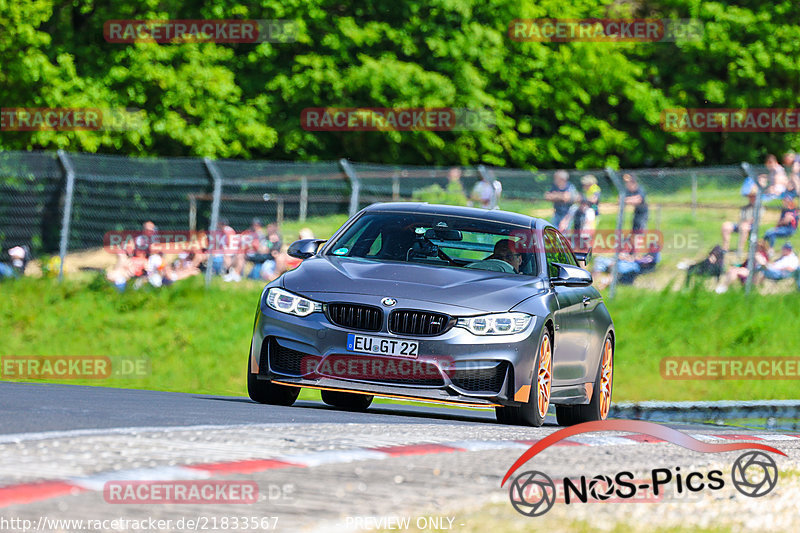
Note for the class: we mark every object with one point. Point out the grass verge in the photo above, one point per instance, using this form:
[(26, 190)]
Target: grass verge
[(196, 340)]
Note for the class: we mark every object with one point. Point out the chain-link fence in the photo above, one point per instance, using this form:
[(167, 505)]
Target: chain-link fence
[(63, 203)]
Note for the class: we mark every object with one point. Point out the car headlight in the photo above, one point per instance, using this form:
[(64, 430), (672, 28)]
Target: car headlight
[(292, 304), (495, 324)]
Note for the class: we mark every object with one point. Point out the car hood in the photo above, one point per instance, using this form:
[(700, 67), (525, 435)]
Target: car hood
[(480, 290)]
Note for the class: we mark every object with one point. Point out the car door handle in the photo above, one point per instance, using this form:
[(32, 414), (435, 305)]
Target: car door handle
[(586, 301)]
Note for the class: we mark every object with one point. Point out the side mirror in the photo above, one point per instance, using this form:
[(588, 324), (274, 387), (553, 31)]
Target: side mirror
[(572, 276), (304, 248), (584, 257)]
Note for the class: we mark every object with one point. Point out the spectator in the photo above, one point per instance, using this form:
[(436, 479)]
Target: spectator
[(221, 255), (252, 247), (289, 263), (778, 180), (187, 264), (156, 270), (712, 265), (579, 223), (793, 170), (563, 194), (19, 256), (132, 264), (487, 191), (147, 237), (787, 222), (629, 266), (454, 184), (741, 271), (783, 267), (635, 196), (746, 218), (789, 159), (581, 219), (591, 192)]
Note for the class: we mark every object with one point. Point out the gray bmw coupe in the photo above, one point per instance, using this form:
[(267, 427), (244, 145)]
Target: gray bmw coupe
[(438, 303)]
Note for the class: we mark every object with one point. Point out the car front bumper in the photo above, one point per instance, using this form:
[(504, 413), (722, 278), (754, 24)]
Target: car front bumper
[(454, 367)]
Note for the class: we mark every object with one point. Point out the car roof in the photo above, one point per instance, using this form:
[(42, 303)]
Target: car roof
[(454, 210)]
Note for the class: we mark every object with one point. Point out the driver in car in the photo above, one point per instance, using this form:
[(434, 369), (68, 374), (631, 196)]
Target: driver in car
[(506, 250)]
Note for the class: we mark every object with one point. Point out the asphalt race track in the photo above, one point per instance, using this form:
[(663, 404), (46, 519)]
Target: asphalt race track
[(36, 408), (319, 469)]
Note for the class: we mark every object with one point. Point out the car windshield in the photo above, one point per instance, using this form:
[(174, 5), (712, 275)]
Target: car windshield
[(439, 240)]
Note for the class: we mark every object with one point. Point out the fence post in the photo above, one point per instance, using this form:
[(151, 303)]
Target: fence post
[(303, 198), (751, 253), (395, 187), (355, 184), (192, 213), (216, 177), (612, 175), (279, 211), (69, 173)]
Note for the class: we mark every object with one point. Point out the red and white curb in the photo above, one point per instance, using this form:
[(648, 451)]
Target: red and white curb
[(24, 493)]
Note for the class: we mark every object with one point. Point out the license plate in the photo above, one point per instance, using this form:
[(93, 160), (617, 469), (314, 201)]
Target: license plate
[(382, 346)]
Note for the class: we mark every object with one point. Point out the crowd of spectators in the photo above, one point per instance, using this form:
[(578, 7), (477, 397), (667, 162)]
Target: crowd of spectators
[(261, 254), (780, 182), (576, 214), (257, 253)]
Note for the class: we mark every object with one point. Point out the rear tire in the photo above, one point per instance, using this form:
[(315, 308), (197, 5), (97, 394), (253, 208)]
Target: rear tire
[(534, 411), (266, 392), (599, 405), (347, 400)]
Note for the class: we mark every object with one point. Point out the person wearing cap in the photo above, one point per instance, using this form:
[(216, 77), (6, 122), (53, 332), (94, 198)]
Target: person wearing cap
[(747, 215), (635, 196), (787, 222), (19, 258), (563, 194), (783, 267)]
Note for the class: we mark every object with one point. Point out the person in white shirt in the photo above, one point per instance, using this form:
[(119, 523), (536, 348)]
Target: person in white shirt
[(486, 192), (783, 267)]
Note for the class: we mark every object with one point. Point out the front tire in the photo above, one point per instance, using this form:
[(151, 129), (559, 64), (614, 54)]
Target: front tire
[(266, 392), (347, 400), (600, 404), (534, 411)]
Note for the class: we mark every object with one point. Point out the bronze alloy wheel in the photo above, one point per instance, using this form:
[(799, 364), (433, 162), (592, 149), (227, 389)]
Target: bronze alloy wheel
[(545, 376), (606, 378)]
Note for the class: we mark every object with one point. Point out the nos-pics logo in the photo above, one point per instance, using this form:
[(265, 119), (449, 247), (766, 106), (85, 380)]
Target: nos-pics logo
[(533, 493)]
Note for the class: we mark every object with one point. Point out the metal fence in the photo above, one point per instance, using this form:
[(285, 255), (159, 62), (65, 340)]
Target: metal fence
[(66, 202)]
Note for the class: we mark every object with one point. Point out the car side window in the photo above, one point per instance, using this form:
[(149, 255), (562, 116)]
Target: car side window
[(568, 257), (552, 252)]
